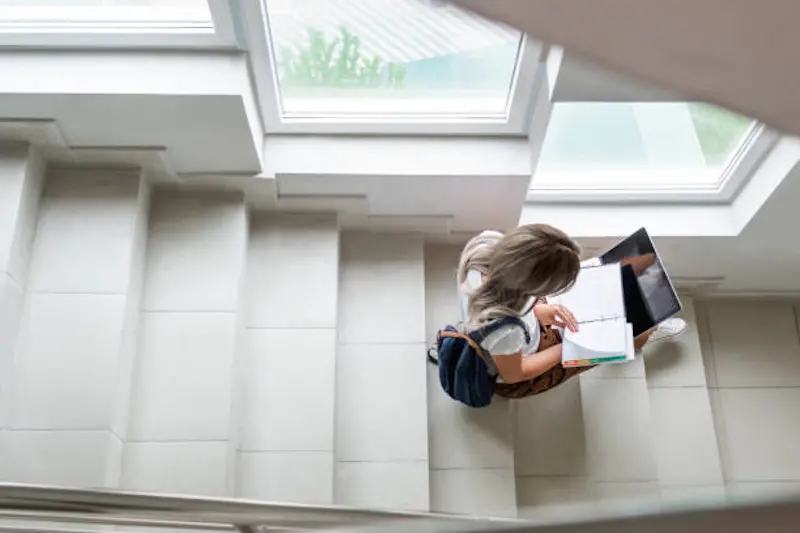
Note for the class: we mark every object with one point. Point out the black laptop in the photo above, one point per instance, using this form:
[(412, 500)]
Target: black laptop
[(650, 297)]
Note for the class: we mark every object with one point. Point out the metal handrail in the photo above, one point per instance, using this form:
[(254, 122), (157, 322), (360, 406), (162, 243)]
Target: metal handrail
[(67, 505), (38, 504)]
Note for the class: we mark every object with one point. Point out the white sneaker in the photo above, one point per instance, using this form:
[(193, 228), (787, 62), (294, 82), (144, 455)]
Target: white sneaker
[(670, 328)]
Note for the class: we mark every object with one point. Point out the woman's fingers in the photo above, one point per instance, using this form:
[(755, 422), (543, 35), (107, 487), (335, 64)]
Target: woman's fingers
[(566, 325), (568, 319), (559, 316)]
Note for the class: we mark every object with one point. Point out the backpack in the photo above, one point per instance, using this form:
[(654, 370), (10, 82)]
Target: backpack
[(466, 371)]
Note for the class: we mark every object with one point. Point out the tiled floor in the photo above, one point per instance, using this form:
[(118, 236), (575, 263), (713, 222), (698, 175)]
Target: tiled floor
[(714, 412), (710, 413), (754, 349)]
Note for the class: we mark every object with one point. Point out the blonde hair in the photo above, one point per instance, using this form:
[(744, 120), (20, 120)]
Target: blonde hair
[(532, 261)]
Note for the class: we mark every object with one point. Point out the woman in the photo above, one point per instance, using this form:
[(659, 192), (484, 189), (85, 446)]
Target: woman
[(509, 275)]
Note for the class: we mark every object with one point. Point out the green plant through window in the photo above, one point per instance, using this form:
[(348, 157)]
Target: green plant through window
[(336, 62), (718, 130)]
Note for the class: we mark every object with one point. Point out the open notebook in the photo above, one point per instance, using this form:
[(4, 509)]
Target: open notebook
[(604, 335)]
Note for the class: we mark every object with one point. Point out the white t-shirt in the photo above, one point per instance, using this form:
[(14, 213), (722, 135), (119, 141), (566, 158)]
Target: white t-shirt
[(508, 339)]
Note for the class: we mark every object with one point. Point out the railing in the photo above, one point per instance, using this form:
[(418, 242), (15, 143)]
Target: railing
[(37, 504), (28, 509)]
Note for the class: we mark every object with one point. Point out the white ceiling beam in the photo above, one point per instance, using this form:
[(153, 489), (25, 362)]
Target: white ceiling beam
[(286, 155), (740, 54), (583, 81)]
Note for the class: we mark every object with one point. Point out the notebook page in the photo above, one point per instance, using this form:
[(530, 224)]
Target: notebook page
[(596, 295), (605, 341), (603, 337)]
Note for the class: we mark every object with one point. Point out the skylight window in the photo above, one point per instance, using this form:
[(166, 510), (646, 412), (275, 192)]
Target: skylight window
[(642, 146), (115, 23), (390, 58)]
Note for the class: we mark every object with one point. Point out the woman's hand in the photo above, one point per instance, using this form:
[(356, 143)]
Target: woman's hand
[(555, 315)]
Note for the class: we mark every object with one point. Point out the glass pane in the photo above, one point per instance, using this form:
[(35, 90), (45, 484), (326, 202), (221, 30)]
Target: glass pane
[(61, 13), (638, 144), (402, 57)]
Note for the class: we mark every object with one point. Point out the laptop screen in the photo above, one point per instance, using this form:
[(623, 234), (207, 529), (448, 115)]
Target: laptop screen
[(652, 298)]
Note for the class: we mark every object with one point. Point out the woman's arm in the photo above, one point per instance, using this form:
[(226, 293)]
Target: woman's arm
[(514, 368)]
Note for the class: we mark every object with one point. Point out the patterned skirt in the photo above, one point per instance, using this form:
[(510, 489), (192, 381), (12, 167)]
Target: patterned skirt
[(552, 378)]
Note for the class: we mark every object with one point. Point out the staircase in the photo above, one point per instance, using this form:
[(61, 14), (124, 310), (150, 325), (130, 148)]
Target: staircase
[(172, 341)]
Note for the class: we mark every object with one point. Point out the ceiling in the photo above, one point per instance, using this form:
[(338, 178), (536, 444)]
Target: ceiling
[(738, 54)]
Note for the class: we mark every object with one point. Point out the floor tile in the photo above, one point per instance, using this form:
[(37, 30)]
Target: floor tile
[(77, 459), (84, 235), (461, 437), (481, 492), (199, 468), (382, 289), (550, 438), (539, 496), (278, 361), (381, 412), (685, 441), (195, 240), (390, 486), (293, 271), (755, 344), (286, 477), (677, 362), (170, 403), (65, 369), (760, 434), (616, 417)]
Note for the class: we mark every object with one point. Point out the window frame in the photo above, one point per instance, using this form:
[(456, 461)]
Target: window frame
[(741, 164), (264, 67), (86, 27)]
